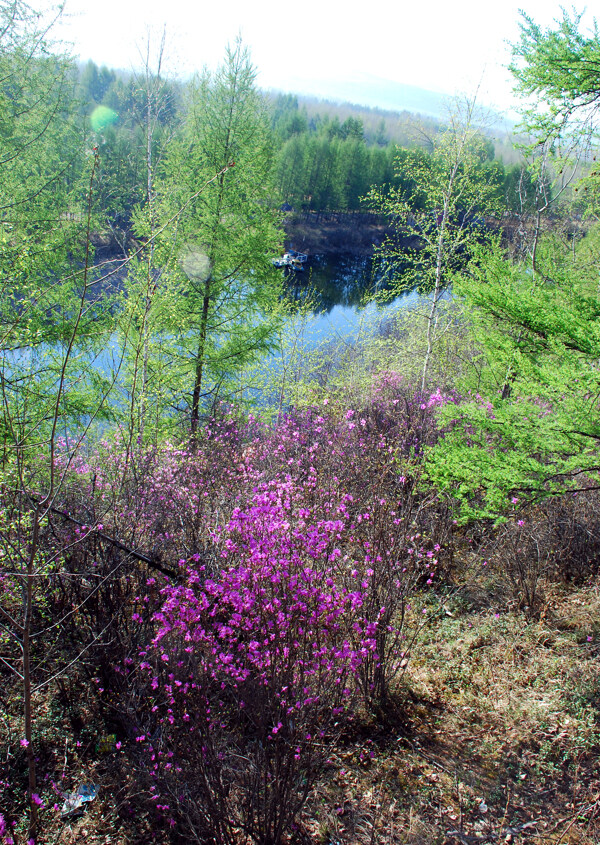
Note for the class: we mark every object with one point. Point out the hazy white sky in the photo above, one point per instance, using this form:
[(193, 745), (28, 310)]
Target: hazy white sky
[(445, 45)]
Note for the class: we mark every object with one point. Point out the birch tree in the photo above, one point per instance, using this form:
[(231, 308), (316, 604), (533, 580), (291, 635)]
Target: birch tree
[(440, 204)]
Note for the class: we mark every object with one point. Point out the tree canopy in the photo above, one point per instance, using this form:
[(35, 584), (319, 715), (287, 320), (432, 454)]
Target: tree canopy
[(525, 425), (560, 68)]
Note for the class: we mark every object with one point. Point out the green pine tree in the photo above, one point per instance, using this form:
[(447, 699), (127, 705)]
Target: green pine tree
[(218, 287)]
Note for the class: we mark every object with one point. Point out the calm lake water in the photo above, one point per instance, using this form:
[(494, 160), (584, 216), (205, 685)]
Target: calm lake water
[(339, 290)]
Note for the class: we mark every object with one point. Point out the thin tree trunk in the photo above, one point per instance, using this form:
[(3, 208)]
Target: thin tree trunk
[(200, 358), (439, 267), (26, 645)]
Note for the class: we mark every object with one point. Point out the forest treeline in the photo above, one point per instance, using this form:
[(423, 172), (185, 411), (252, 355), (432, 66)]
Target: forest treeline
[(321, 162)]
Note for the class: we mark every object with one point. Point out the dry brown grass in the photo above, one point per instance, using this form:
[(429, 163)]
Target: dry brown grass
[(494, 739)]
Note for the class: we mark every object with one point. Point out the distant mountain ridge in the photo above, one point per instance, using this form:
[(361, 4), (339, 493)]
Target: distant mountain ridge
[(375, 92), (368, 90)]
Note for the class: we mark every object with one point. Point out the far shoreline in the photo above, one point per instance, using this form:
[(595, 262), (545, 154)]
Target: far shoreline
[(335, 232)]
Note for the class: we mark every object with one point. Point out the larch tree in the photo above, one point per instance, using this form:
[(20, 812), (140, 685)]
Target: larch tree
[(540, 336), (220, 286), (556, 71), (49, 325), (42, 229)]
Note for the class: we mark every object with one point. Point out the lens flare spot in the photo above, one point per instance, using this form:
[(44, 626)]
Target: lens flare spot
[(102, 117), (195, 263)]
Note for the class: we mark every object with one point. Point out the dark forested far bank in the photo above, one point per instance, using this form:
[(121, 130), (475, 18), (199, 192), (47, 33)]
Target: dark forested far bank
[(335, 233)]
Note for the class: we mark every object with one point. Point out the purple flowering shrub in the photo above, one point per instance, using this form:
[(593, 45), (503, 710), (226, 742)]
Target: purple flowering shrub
[(395, 565), (167, 501), (359, 466), (252, 670)]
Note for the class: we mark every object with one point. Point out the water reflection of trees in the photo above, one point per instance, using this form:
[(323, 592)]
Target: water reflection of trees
[(336, 280)]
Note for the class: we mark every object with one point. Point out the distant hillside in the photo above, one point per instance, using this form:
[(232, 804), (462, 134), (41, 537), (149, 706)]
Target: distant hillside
[(367, 90), (376, 92), (405, 128)]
